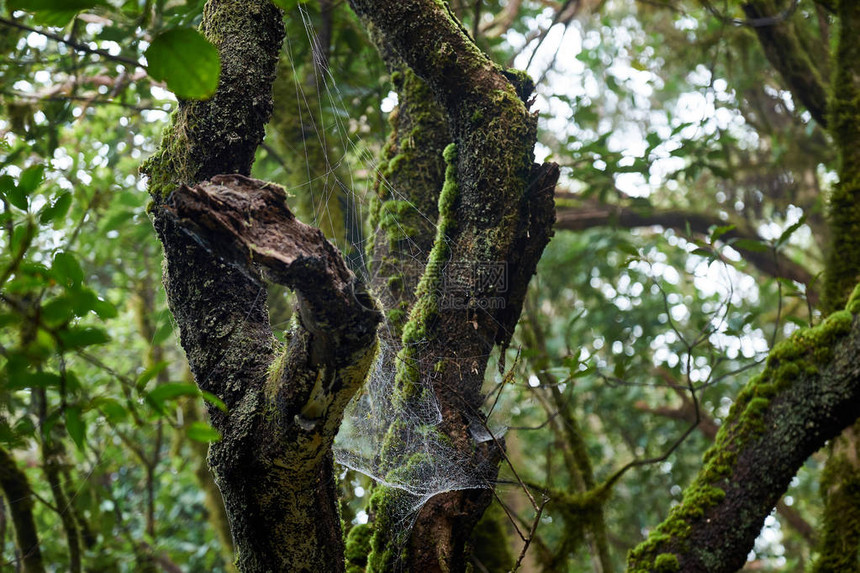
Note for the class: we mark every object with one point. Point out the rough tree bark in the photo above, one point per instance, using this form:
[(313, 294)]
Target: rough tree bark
[(840, 483), (806, 395), (223, 233), (800, 60)]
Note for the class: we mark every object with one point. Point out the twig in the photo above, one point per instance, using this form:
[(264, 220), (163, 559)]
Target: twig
[(72, 44), (528, 540)]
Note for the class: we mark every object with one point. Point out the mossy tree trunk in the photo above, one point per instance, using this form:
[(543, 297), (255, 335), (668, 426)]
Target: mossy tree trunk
[(274, 463), (495, 208), (223, 233), (809, 390), (840, 484)]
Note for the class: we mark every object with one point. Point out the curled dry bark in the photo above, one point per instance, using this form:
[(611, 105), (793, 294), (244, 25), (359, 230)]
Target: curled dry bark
[(274, 462)]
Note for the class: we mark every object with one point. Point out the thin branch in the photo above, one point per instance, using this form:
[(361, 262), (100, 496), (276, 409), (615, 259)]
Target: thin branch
[(72, 44), (528, 540), (757, 22), (590, 214)]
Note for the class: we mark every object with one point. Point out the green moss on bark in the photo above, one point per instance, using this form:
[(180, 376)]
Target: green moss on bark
[(407, 384), (839, 549), (843, 263), (221, 135), (358, 547)]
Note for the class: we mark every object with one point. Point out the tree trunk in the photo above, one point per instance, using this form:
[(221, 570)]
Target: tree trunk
[(223, 233), (19, 497)]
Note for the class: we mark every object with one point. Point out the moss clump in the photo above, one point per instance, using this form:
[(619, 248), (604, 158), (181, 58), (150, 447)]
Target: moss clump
[(667, 563), (425, 310), (358, 548), (395, 316), (523, 84), (395, 219), (385, 548), (173, 163), (853, 305)]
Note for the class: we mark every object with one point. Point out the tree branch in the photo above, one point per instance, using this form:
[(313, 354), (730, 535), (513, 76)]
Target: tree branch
[(806, 395), (709, 429), (591, 214), (221, 234), (16, 487), (72, 44), (495, 208), (788, 54)]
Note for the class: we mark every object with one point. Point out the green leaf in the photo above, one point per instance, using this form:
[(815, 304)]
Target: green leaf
[(79, 337), (57, 209), (186, 61), (719, 232), (163, 332), (105, 309), (54, 18), (83, 300), (31, 178), (112, 409), (150, 373), (53, 5), (67, 270), (7, 187), (16, 195), (202, 432), (786, 235), (34, 380), (750, 245), (57, 310), (56, 13), (76, 426), (172, 390), (214, 400)]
